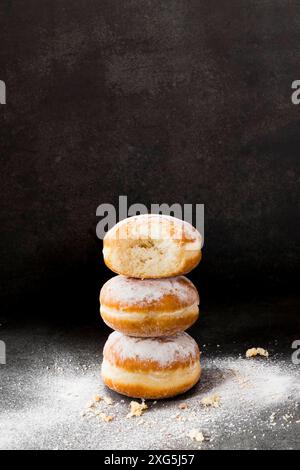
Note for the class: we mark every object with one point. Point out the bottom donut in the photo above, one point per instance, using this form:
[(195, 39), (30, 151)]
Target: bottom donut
[(151, 368)]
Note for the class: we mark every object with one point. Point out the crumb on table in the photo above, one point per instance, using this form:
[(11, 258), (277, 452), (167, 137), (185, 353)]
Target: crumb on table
[(213, 401), (196, 435), (253, 352), (137, 409)]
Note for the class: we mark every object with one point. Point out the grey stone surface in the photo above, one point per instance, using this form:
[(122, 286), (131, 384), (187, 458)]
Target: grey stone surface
[(53, 371)]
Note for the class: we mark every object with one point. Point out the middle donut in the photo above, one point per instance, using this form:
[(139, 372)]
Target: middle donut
[(149, 307)]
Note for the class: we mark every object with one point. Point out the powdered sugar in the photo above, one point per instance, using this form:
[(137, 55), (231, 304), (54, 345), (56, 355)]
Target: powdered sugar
[(252, 396), (258, 382), (43, 394), (163, 351), (154, 226), (127, 291)]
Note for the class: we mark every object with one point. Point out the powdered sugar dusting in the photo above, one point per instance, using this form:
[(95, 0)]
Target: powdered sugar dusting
[(42, 400), (128, 291), (257, 382), (155, 226), (163, 351)]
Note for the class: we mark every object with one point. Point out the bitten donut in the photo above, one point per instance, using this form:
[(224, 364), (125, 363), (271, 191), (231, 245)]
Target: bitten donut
[(152, 246), (149, 307), (151, 368)]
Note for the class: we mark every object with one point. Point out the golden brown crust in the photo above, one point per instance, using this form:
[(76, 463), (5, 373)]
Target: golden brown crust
[(151, 307), (142, 391), (152, 246), (134, 295), (151, 367), (151, 326), (118, 351), (134, 365)]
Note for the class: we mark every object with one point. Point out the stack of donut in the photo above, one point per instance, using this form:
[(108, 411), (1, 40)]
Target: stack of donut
[(150, 304)]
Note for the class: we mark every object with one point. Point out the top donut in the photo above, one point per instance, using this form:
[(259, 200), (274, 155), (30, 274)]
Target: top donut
[(152, 246)]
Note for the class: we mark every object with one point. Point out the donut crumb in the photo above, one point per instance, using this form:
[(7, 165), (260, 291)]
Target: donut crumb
[(213, 401), (108, 400), (253, 352), (106, 418), (137, 409), (196, 435), (90, 405), (183, 406)]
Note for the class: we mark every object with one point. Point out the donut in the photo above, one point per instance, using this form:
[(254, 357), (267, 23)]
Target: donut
[(150, 368), (149, 307), (152, 246)]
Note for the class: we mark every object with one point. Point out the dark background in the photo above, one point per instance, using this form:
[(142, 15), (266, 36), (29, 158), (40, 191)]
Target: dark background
[(162, 101)]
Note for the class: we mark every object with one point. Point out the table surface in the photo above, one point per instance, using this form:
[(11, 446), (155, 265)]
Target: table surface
[(53, 373)]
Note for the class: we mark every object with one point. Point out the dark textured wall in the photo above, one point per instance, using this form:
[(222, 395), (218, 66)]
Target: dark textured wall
[(163, 101)]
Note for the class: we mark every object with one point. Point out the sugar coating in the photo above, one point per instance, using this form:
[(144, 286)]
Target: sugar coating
[(128, 291), (142, 225), (163, 351)]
